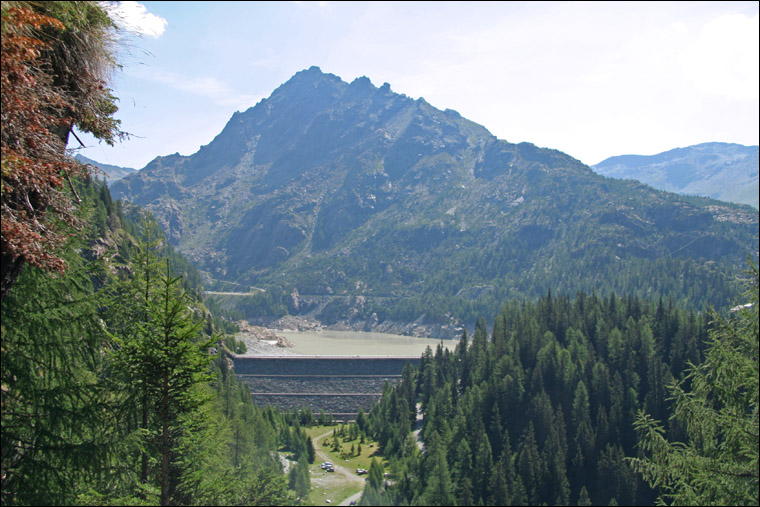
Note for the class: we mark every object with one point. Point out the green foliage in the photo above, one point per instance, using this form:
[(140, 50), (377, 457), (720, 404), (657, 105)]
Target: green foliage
[(541, 409), (439, 488), (111, 395), (299, 479), (717, 403), (444, 224), (374, 489), (172, 366), (57, 420)]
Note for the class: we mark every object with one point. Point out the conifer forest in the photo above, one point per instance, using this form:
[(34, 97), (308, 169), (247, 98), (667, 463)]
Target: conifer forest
[(591, 375)]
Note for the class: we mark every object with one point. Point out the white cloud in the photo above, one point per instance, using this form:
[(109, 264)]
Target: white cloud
[(209, 87), (723, 60), (134, 17)]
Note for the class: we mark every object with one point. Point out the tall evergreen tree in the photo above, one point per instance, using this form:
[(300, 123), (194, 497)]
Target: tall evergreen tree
[(126, 312), (438, 489), (299, 479), (177, 365), (58, 435), (719, 463)]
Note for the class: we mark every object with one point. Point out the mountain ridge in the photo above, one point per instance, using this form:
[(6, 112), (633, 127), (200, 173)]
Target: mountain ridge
[(346, 189), (725, 171), (110, 172)]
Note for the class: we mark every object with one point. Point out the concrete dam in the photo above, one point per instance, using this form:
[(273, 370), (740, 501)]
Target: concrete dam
[(339, 385)]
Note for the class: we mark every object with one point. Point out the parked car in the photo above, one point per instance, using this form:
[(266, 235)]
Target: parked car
[(360, 471), (330, 469)]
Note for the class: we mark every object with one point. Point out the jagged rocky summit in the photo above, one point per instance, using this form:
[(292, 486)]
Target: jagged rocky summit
[(373, 206)]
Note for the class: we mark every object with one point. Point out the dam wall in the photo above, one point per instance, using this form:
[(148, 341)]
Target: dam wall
[(339, 385)]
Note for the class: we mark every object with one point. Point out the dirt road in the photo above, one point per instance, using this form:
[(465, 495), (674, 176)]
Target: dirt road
[(341, 474)]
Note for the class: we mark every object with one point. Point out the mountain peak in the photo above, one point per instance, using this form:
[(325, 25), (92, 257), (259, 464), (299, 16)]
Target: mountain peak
[(362, 82), (311, 76), (347, 189)]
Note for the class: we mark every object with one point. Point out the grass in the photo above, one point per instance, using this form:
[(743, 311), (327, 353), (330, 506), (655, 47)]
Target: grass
[(334, 486), (333, 490), (363, 460)]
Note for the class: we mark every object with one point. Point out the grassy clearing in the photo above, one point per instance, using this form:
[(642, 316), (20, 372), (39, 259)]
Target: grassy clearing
[(354, 461), (331, 488), (337, 486)]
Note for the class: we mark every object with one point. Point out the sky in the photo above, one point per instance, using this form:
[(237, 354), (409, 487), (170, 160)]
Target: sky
[(592, 79)]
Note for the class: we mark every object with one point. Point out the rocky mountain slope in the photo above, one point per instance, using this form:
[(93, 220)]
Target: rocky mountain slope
[(380, 207), (724, 171)]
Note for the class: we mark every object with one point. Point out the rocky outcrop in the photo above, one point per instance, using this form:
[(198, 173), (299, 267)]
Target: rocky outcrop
[(255, 336)]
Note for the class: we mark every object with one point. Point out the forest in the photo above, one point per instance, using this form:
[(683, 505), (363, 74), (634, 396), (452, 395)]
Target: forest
[(580, 401), (116, 388)]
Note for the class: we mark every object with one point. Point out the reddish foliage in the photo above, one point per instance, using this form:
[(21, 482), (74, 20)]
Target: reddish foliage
[(36, 118)]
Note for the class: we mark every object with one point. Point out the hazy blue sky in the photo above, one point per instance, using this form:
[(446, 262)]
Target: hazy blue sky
[(591, 79)]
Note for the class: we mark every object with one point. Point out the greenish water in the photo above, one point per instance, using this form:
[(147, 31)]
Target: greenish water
[(355, 343)]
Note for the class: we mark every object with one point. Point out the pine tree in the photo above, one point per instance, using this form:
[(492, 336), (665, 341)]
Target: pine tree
[(719, 463), (126, 314), (311, 456), (299, 479), (499, 487), (482, 466), (373, 489), (176, 365), (160, 361), (439, 489), (529, 464), (375, 476), (583, 498)]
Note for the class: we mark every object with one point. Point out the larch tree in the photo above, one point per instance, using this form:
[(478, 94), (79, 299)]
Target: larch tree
[(58, 423)]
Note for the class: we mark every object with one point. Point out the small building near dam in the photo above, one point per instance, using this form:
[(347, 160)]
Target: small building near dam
[(339, 385)]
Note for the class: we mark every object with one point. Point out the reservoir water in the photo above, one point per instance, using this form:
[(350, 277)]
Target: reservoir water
[(355, 343)]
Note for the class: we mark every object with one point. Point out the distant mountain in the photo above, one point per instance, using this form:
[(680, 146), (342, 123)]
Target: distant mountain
[(724, 171), (358, 205), (110, 172)]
